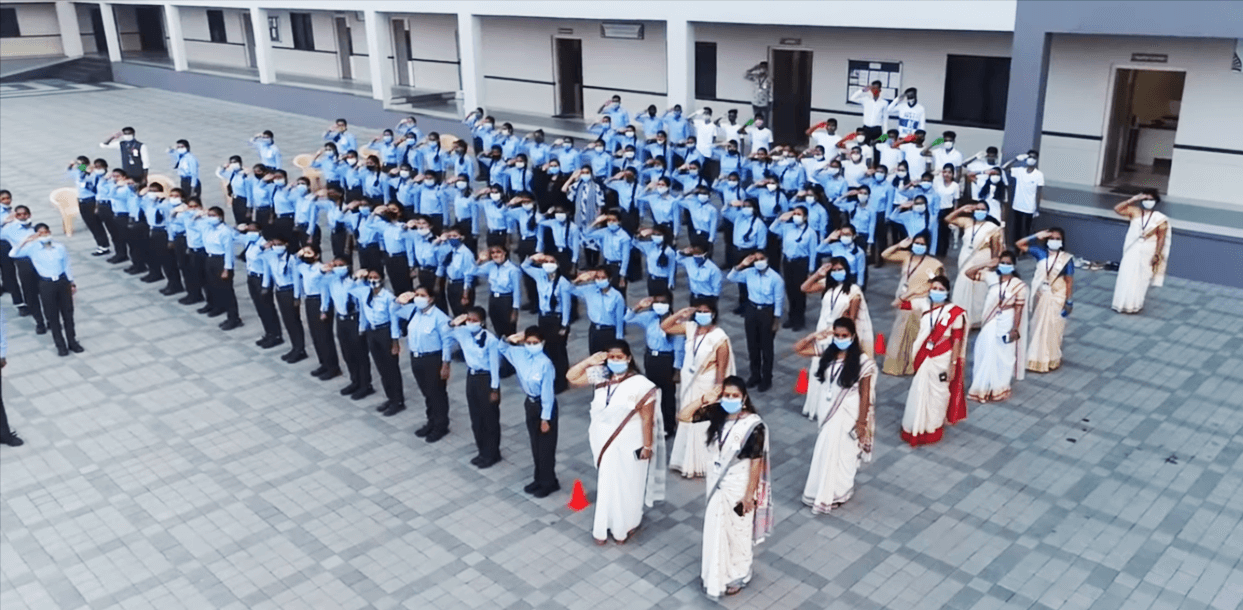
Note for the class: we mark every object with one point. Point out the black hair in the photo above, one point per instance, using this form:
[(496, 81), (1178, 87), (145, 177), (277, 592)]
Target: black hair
[(5, 192), (852, 366), (924, 234), (533, 331), (216, 209), (127, 130), (17, 208), (185, 143), (717, 415), (949, 135), (1014, 260), (1060, 232), (830, 283), (624, 347), (944, 281), (480, 312), (42, 225), (102, 163)]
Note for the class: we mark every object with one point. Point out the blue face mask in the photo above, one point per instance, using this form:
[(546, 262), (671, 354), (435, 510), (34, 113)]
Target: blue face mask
[(278, 249), (212, 221), (455, 243), (614, 226), (301, 188), (731, 405), (842, 344), (838, 276), (534, 348), (979, 214), (602, 283), (703, 318), (472, 327), (761, 265), (745, 212), (618, 366), (938, 296), (554, 170), (341, 271), (658, 239), (1005, 268), (919, 249)]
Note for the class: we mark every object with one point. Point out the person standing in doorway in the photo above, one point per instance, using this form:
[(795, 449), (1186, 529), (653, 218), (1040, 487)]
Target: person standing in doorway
[(761, 88)]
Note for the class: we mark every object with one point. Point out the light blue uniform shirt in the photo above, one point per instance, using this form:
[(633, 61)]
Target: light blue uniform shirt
[(564, 235), (261, 193), (502, 279), (344, 294), (651, 260), (545, 290), (663, 209), (857, 258), (617, 115), (606, 308), (428, 331), (344, 140), (763, 288), (535, 374), (750, 232), (280, 271), (269, 152), (628, 193), (676, 126), (218, 240), (614, 245), (187, 166), (797, 241), (312, 278), (704, 278), (378, 310), (704, 215), (480, 358), (458, 265), (252, 247), (195, 225), (50, 260), (654, 337), (651, 123)]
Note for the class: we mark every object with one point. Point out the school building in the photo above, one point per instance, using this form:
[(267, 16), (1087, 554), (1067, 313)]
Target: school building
[(1115, 95)]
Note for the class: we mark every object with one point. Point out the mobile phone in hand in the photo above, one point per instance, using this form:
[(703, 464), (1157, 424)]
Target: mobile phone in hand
[(638, 453), (740, 509)]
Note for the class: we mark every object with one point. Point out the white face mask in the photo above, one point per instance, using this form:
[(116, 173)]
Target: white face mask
[(660, 308), (702, 197), (920, 208), (862, 197), (549, 267), (949, 145), (994, 179), (772, 187), (628, 154), (902, 174), (560, 216), (405, 174), (495, 196), (662, 189), (520, 165), (1054, 244), (1149, 203), (461, 185), (1031, 162), (129, 137)]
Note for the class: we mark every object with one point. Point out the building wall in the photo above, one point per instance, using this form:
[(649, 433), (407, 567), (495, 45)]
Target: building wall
[(922, 53), (1080, 91), (433, 45), (40, 32), (84, 28), (520, 52), (127, 27)]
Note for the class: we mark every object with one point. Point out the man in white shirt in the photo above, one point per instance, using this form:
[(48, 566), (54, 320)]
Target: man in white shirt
[(913, 154), (874, 110), (825, 135), (705, 141), (977, 170), (945, 154), (888, 151), (758, 135), (1025, 201), (910, 113), (730, 127)]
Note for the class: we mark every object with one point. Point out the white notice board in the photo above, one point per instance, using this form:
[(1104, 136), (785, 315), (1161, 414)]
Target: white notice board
[(861, 72)]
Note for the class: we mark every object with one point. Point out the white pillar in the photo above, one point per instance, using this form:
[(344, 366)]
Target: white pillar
[(679, 71), (110, 32), (379, 47), (470, 60), (263, 45), (70, 35), (176, 40)]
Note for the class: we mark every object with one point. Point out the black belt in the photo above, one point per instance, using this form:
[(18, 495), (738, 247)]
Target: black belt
[(437, 353), (499, 295), (164, 229), (284, 288), (760, 305), (659, 353), (57, 279), (253, 274), (210, 255), (312, 296), (595, 326), (380, 326), (461, 281), (347, 316), (288, 215), (477, 372), (431, 268), (102, 202), (196, 249)]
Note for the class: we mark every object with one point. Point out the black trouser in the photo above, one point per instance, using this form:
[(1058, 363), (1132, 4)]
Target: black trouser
[(241, 210), (308, 235), (220, 283), (526, 247), (739, 254), (485, 414), (8, 275), (657, 285), (427, 278), (658, 367), (703, 298), (700, 239), (5, 431), (1022, 222), (193, 271), (293, 321), (90, 215), (138, 234), (30, 288), (340, 238), (882, 236), (115, 226), (371, 257), (727, 236), (600, 337), (160, 257), (943, 232), (501, 313), (265, 305), (398, 268), (379, 342), (426, 371), (263, 216), (543, 444), (321, 333), (455, 291), (554, 346), (795, 274), (773, 251), (191, 188), (760, 341), (354, 351), (57, 297), (618, 274), (497, 238), (284, 226)]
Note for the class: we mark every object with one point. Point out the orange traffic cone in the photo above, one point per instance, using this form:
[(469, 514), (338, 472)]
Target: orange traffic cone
[(880, 344), (578, 499), (800, 387)]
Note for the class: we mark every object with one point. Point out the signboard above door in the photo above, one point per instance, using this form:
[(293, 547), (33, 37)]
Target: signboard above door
[(1150, 58)]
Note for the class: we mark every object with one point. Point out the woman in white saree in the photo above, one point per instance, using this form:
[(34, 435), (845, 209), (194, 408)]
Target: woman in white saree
[(918, 268), (1145, 251), (1053, 288), (846, 413), (739, 514), (840, 298), (981, 242), (1000, 354), (708, 360), (936, 396), (626, 440)]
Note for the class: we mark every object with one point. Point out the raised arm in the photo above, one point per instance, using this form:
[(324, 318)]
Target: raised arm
[(676, 323)]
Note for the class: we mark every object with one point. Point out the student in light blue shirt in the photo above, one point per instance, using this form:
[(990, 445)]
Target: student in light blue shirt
[(494, 167), (914, 216), (387, 148), (554, 295), (559, 238), (481, 350), (730, 160), (430, 157), (518, 174), (676, 125), (280, 277), (269, 152), (663, 353), (187, 167), (460, 162), (381, 331), (504, 286), (614, 111), (87, 177), (651, 121), (615, 246), (703, 215), (627, 138), (830, 177), (750, 236), (262, 192), (606, 308), (660, 148), (401, 186), (628, 191), (628, 160), (457, 268), (218, 244), (481, 128), (765, 305), (315, 283), (538, 153), (703, 277), (56, 285), (340, 135), (688, 178), (427, 337), (660, 260), (798, 258), (661, 205), (570, 159), (605, 133), (599, 158), (687, 152), (790, 174), (844, 243), (537, 375), (237, 188), (253, 245)]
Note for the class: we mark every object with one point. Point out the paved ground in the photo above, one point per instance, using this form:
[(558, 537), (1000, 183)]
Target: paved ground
[(173, 465)]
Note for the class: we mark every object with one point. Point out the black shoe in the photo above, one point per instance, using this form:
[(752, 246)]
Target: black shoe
[(531, 487), (475, 461), (787, 324), (41, 330), (394, 409), (437, 435), (753, 382), (169, 291), (798, 327), (23, 311), (151, 279), (76, 347), (190, 300), (230, 324), (488, 463), (132, 270), (203, 309), (362, 393), (216, 313), (424, 431), (764, 386), (738, 310), (384, 407), (101, 250), (263, 341), (118, 259), (349, 389), (329, 374), (273, 342), (12, 440), (287, 355), (62, 351), (319, 371), (544, 492), (297, 357)]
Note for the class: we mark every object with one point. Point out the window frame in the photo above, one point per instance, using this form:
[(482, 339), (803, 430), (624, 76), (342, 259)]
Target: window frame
[(986, 74), (14, 27), (215, 25), (302, 30)]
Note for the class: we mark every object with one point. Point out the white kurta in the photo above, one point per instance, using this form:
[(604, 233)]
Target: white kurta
[(834, 305), (729, 539), (975, 251), (1136, 271), (689, 455), (996, 361), (838, 453), (624, 483)]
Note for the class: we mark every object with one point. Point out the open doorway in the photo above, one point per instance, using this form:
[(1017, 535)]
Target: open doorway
[(151, 28), (248, 35), (345, 47), (97, 30), (1139, 144), (791, 78), (401, 52), (568, 57)]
